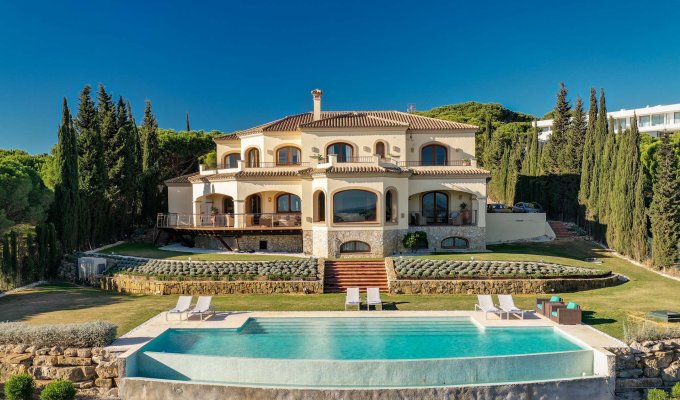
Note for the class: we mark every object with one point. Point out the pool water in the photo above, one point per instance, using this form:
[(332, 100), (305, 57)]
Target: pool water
[(362, 339)]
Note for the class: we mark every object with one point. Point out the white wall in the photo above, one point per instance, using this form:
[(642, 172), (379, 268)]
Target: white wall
[(512, 227)]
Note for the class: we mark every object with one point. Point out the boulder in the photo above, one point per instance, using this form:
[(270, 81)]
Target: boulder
[(638, 383), (24, 358), (104, 383), (672, 373), (651, 372), (71, 352), (84, 353), (81, 361), (629, 373), (107, 369), (45, 360)]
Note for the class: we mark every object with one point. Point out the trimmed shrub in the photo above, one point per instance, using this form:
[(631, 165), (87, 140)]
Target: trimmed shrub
[(59, 390), (89, 334), (657, 394), (675, 392), (19, 387)]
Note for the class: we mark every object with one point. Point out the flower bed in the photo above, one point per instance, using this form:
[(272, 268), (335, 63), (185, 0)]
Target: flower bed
[(414, 268), (274, 270)]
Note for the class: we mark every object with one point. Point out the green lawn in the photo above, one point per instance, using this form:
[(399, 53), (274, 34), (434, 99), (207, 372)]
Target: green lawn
[(606, 309), (150, 251)]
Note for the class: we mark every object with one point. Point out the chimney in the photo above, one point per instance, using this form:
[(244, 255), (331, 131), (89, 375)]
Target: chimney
[(316, 93)]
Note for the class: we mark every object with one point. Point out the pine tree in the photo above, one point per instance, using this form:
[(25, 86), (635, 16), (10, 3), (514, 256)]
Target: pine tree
[(92, 169), (588, 159), (66, 207), (150, 165), (664, 212)]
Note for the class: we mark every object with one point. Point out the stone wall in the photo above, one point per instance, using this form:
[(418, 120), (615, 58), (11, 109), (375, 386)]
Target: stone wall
[(275, 243), (94, 371), (435, 234), (646, 365), (142, 285)]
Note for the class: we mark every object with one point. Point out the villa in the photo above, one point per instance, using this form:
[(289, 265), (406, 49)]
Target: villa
[(333, 183)]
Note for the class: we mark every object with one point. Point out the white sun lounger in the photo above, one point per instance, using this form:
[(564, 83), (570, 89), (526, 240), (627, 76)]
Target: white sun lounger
[(202, 306), (485, 303), (352, 298), (373, 298), (507, 304), (183, 305)]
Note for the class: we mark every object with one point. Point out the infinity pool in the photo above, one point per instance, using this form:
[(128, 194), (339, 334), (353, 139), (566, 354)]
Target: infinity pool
[(361, 339), (361, 352)]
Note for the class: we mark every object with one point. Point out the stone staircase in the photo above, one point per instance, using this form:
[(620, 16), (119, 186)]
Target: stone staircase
[(342, 274), (560, 229)]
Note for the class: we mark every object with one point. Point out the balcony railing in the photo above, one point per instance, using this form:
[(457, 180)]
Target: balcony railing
[(225, 221), (359, 160), (453, 218), (421, 163), (254, 165)]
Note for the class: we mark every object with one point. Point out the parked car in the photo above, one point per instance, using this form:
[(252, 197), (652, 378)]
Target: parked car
[(527, 208), (498, 208)]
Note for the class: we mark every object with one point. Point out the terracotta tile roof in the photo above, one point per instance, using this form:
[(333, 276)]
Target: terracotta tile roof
[(356, 119), (182, 179), (449, 171), (225, 138)]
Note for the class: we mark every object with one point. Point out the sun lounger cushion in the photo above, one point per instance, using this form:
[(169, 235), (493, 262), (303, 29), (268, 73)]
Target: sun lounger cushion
[(540, 306), (555, 299), (572, 306), (554, 314)]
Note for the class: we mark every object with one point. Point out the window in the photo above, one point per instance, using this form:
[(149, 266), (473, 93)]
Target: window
[(436, 207), (286, 203), (389, 204), (676, 118), (657, 119), (253, 158), (355, 246), (620, 124), (644, 121), (342, 150), (354, 206), (320, 207), (288, 156), (433, 154), (380, 149), (455, 242), (228, 205), (231, 160)]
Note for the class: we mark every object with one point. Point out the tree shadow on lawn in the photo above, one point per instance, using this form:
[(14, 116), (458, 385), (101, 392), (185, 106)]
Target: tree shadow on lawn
[(590, 318), (55, 297), (393, 305)]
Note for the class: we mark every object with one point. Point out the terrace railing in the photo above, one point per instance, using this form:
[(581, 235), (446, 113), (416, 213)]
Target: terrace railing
[(421, 163), (454, 218), (358, 160), (225, 221)]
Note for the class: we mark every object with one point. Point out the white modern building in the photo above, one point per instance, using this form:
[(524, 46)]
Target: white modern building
[(651, 120)]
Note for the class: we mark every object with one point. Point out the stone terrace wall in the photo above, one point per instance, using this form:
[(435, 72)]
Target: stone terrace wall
[(142, 285), (646, 365), (94, 371)]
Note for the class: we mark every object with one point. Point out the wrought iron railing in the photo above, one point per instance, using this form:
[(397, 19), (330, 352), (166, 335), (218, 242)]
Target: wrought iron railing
[(247, 220), (358, 160), (422, 163)]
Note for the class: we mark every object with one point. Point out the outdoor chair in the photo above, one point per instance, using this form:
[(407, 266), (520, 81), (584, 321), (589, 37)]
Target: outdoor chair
[(373, 299), (566, 315), (544, 306), (183, 305), (352, 298), (507, 304), (202, 307), (485, 303)]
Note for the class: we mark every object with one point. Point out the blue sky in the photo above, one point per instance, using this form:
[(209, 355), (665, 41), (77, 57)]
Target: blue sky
[(240, 63)]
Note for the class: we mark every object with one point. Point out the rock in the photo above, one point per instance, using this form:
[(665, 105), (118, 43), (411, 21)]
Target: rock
[(85, 385), (42, 351), (63, 360), (19, 358), (46, 360), (56, 351), (105, 383), (630, 373), (89, 372), (20, 348), (107, 369), (112, 393), (651, 372), (638, 383), (71, 352), (672, 373), (84, 353), (664, 358), (30, 349)]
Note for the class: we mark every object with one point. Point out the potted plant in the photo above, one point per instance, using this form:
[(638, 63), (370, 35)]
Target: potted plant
[(464, 213), (466, 162)]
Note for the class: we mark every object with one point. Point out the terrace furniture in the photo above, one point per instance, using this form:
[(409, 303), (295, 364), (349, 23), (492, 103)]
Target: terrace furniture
[(202, 307), (485, 303), (352, 298), (566, 315), (183, 305), (544, 306), (507, 304), (266, 220), (454, 218), (373, 298)]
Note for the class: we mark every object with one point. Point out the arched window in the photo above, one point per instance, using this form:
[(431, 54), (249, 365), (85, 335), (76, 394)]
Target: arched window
[(435, 206), (344, 151), (380, 149), (288, 203), (455, 242), (228, 205), (288, 155), (253, 158), (390, 209), (319, 207), (355, 246), (355, 206), (433, 154), (231, 160)]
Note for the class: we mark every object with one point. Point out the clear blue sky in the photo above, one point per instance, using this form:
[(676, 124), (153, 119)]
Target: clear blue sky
[(240, 63)]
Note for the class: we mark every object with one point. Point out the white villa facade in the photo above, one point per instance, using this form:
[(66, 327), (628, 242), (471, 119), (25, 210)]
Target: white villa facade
[(335, 183), (651, 120)]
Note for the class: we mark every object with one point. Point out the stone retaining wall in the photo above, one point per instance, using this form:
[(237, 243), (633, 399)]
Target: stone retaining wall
[(493, 286), (646, 365), (94, 371), (143, 285)]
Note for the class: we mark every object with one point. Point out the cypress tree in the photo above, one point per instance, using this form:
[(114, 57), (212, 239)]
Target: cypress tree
[(639, 235), (106, 117), (599, 139), (588, 159), (664, 212), (93, 176), (30, 270), (605, 201), (150, 165), (571, 155), (66, 207), (558, 138), (6, 261)]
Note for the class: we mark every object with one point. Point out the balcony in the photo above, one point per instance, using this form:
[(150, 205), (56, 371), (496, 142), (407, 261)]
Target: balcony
[(230, 222), (449, 163), (242, 165)]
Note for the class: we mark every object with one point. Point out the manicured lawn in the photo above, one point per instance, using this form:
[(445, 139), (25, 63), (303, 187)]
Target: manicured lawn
[(606, 309), (151, 251)]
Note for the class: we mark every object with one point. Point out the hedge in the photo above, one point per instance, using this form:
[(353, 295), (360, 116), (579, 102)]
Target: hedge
[(89, 334)]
